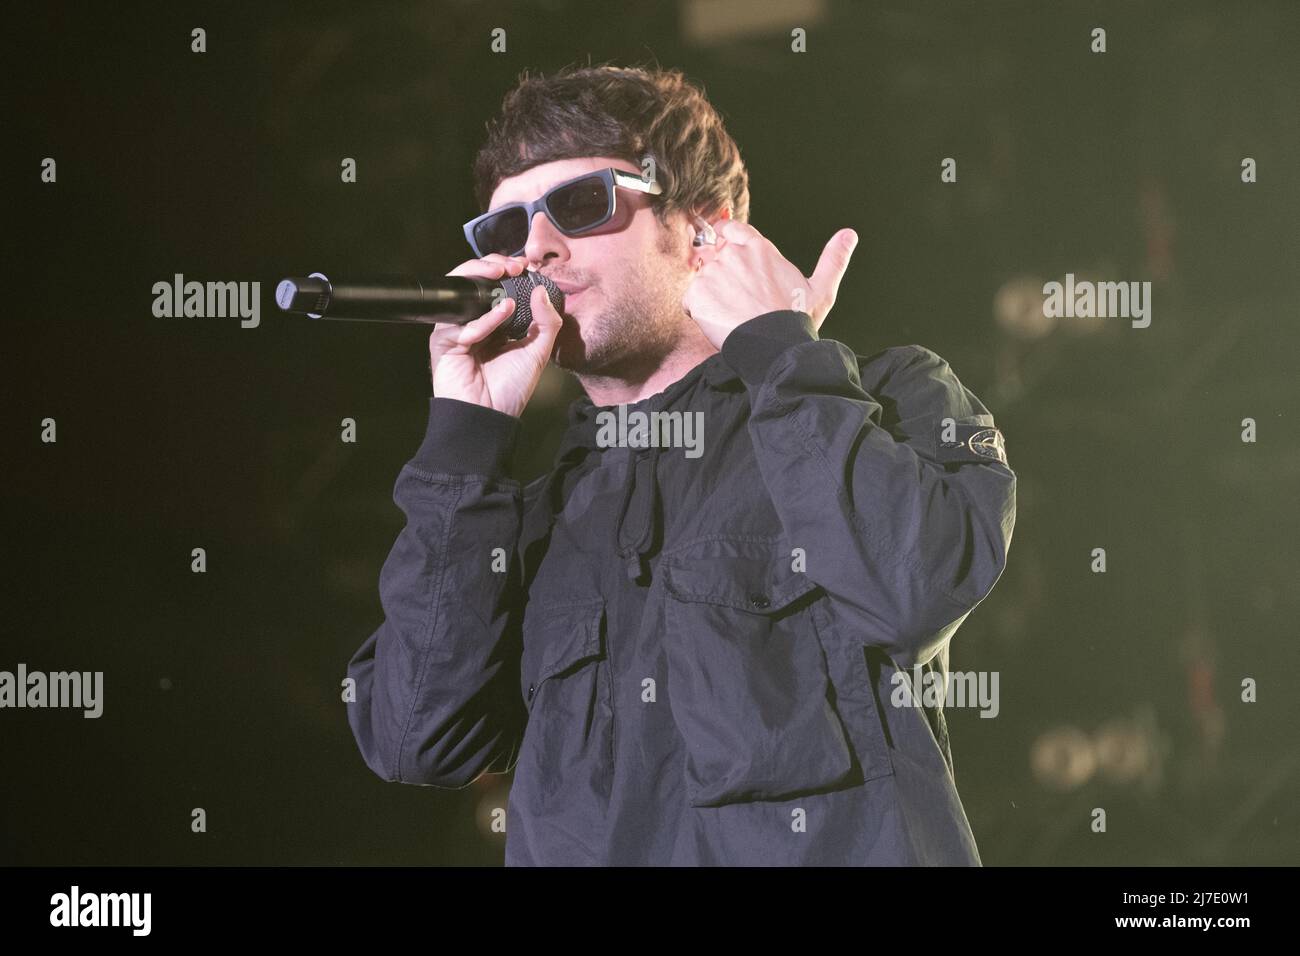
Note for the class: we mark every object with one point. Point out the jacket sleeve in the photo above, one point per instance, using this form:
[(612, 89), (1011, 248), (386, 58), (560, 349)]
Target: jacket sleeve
[(437, 684), (904, 542)]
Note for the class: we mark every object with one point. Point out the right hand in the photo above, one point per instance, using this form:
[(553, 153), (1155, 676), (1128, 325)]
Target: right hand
[(501, 374)]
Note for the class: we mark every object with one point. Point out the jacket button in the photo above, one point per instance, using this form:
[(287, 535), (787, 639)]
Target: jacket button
[(531, 688), (758, 600)]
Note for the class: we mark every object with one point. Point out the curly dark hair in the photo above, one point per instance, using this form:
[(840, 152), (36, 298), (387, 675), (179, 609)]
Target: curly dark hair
[(628, 112)]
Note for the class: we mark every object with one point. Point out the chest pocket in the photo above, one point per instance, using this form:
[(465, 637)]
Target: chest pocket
[(569, 740), (748, 681)]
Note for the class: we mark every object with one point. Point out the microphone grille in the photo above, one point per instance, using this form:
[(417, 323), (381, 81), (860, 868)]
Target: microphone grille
[(520, 288)]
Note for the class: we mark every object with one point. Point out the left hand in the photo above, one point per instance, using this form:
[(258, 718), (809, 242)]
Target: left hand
[(747, 276)]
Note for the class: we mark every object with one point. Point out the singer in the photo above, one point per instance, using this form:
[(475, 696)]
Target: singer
[(686, 660)]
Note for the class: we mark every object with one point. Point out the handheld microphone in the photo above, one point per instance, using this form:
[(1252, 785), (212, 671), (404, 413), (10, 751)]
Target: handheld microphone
[(449, 299)]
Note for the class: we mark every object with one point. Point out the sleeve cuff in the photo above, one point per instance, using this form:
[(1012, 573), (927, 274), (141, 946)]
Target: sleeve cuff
[(463, 438), (751, 347)]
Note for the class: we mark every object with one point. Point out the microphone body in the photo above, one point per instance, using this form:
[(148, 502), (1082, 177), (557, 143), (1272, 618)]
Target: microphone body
[(447, 299)]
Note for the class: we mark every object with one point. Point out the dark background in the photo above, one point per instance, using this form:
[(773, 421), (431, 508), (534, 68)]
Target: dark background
[(222, 690)]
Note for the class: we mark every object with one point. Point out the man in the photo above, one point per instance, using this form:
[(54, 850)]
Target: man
[(685, 653)]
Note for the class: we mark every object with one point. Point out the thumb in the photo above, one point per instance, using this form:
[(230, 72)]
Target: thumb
[(832, 265), (544, 314)]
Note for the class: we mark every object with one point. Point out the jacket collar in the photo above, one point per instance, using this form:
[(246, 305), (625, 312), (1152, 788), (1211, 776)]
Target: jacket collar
[(637, 523), (582, 413)]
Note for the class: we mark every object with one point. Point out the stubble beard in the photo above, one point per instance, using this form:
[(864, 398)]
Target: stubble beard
[(636, 329)]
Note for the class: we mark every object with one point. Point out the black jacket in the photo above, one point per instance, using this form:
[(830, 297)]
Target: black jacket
[(688, 658)]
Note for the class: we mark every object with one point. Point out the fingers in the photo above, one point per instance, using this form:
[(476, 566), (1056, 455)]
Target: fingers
[(545, 328), (832, 265), (736, 233), (444, 338), (492, 266)]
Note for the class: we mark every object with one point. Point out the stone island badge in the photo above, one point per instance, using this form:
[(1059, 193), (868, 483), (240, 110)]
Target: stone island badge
[(971, 443)]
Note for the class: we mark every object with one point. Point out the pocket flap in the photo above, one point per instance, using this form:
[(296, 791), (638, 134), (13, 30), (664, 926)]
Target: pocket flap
[(574, 635), (754, 575)]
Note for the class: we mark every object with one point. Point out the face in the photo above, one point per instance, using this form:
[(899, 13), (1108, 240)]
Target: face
[(632, 273)]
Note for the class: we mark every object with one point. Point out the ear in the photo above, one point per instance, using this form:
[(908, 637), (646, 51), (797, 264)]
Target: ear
[(704, 245), (704, 234), (725, 214)]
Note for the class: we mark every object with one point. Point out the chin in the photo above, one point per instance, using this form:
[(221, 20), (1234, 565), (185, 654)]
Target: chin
[(569, 350)]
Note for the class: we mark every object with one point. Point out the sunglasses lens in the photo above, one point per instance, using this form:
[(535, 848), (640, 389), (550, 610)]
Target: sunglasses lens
[(504, 233), (581, 205)]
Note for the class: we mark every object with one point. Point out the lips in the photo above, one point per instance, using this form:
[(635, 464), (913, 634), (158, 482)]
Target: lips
[(569, 288)]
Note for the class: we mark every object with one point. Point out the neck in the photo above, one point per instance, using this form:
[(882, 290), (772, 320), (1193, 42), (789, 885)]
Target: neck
[(641, 380)]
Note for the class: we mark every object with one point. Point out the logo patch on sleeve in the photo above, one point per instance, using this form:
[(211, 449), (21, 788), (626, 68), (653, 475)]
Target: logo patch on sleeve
[(972, 443)]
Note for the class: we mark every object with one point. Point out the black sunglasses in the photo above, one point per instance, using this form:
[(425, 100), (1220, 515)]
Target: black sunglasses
[(574, 207)]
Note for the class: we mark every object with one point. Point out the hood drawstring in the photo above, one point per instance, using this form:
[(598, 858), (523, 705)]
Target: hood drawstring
[(637, 517), (637, 527)]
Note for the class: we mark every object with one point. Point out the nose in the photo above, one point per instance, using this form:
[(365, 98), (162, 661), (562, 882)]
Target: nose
[(545, 242)]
